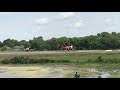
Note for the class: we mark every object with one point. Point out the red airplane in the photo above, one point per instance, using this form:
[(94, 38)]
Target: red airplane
[(66, 47)]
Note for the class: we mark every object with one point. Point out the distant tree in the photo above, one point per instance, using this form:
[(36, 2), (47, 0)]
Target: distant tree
[(54, 44), (8, 42), (25, 43), (0, 44), (3, 48), (114, 33), (38, 43), (102, 40)]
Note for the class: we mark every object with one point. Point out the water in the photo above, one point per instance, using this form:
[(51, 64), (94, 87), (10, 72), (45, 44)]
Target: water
[(105, 75)]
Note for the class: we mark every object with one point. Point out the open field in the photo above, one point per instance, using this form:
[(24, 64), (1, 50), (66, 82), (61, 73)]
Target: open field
[(60, 70), (61, 54)]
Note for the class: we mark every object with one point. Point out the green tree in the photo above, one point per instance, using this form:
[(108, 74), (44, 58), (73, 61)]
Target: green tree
[(3, 48), (25, 43), (0, 44), (38, 43)]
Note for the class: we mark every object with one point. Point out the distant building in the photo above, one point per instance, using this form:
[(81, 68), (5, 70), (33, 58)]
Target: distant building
[(19, 48)]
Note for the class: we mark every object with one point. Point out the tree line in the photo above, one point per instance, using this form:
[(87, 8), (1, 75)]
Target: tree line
[(100, 41)]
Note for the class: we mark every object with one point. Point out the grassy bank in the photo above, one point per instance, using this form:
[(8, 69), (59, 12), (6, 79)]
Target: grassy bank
[(34, 64), (99, 61), (26, 60), (83, 59), (59, 54)]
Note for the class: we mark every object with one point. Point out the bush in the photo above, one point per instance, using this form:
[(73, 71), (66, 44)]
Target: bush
[(5, 61), (89, 60), (3, 48), (114, 60), (26, 60), (99, 59)]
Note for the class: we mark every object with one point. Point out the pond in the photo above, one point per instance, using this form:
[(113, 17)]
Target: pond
[(54, 71)]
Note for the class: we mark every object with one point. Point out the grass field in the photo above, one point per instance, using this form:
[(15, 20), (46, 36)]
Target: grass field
[(81, 56), (61, 54), (82, 59)]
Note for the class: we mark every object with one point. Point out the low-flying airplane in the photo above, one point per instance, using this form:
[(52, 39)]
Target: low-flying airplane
[(66, 47)]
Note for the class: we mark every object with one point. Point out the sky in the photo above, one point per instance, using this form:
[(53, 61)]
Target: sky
[(27, 25)]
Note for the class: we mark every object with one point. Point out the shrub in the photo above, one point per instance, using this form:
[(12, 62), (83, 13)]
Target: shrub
[(26, 60), (3, 48), (99, 59)]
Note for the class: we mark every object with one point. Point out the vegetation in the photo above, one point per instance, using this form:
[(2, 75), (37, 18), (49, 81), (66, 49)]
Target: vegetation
[(102, 61), (3, 48), (105, 60), (26, 60), (50, 59), (100, 41)]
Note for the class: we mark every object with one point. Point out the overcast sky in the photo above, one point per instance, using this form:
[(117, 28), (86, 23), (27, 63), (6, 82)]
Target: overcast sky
[(26, 25)]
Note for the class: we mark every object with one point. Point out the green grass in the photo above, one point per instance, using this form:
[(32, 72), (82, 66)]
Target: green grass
[(107, 62), (114, 76), (26, 60), (78, 62), (83, 74), (84, 59)]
